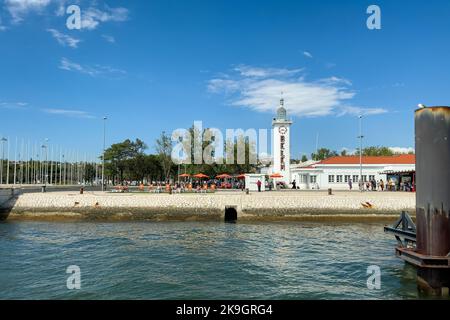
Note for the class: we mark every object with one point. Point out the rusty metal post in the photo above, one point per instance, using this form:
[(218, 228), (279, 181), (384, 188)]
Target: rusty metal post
[(433, 198)]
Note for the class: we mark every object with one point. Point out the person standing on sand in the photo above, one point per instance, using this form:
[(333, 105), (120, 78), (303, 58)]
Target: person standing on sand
[(259, 185)]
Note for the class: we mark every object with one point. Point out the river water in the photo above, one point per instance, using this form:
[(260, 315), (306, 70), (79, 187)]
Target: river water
[(200, 260)]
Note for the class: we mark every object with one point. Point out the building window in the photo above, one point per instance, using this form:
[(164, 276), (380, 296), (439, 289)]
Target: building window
[(364, 178), (355, 178), (339, 179), (313, 179), (331, 178), (371, 178), (347, 179)]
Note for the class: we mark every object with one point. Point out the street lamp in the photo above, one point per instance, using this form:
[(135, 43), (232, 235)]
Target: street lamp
[(360, 137), (104, 149), (3, 140), (44, 166)]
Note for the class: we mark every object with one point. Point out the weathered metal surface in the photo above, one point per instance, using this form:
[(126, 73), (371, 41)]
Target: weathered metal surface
[(404, 231), (433, 181)]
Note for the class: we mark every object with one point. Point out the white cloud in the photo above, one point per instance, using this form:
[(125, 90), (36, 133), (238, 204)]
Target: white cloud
[(260, 89), (63, 39), (357, 111), (254, 72), (307, 54), (402, 150), (96, 70), (109, 38), (13, 105), (19, 8), (92, 17), (69, 113)]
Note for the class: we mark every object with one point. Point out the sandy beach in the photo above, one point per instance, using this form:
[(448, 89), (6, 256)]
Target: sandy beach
[(281, 205)]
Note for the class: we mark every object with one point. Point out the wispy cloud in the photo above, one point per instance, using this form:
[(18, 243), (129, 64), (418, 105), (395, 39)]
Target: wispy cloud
[(260, 89), (19, 8), (254, 72), (307, 54), (109, 38), (64, 39), (69, 113), (93, 71), (92, 17), (13, 105)]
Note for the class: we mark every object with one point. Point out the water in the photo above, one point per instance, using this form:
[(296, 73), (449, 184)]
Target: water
[(200, 260)]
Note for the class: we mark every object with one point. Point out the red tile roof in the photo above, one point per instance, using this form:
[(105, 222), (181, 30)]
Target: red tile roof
[(397, 159)]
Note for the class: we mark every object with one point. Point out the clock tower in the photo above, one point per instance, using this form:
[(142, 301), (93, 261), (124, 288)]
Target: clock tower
[(281, 144)]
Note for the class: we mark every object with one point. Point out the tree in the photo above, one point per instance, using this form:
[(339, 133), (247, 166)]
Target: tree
[(164, 149), (118, 157), (323, 153), (376, 151), (304, 158)]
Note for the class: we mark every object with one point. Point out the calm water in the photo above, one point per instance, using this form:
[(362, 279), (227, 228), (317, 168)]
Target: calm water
[(193, 260)]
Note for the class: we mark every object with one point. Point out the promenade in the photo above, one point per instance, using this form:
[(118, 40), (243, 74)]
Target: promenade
[(277, 205)]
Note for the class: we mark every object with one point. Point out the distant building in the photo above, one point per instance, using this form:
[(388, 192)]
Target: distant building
[(336, 172)]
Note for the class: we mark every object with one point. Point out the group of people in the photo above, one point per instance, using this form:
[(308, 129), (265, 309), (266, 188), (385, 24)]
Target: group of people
[(380, 185)]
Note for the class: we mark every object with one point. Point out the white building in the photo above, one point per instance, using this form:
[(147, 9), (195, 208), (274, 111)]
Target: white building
[(335, 172)]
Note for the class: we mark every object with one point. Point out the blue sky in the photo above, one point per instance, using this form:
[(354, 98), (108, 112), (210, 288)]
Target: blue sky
[(160, 65)]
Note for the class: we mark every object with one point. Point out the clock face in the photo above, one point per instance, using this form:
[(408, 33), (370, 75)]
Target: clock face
[(283, 130)]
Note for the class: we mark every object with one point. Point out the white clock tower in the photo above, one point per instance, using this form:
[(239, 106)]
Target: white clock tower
[(281, 144)]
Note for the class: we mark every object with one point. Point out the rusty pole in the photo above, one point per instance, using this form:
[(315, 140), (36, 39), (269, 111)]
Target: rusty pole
[(433, 199)]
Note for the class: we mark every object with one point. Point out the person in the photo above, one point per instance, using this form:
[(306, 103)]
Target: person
[(361, 185), (381, 184), (294, 185), (259, 185), (350, 184)]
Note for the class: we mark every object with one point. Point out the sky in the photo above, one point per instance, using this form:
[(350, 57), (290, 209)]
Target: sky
[(153, 66)]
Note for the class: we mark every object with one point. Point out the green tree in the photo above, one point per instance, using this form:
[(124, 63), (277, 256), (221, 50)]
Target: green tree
[(304, 158), (323, 153), (164, 149), (376, 151), (118, 157)]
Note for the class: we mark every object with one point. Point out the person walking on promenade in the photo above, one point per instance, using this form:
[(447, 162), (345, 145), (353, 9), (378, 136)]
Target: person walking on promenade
[(381, 184), (294, 185), (259, 185), (350, 184)]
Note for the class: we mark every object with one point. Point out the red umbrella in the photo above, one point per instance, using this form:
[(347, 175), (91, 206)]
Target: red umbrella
[(276, 175), (184, 175), (223, 176), (201, 176), (241, 176)]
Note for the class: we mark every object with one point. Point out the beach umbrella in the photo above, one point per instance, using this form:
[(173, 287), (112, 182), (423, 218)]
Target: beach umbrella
[(241, 176), (184, 175), (201, 176), (276, 175), (223, 176)]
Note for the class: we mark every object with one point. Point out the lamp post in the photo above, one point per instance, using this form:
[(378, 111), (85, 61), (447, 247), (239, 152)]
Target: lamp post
[(360, 137), (104, 149), (2, 140), (44, 166)]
